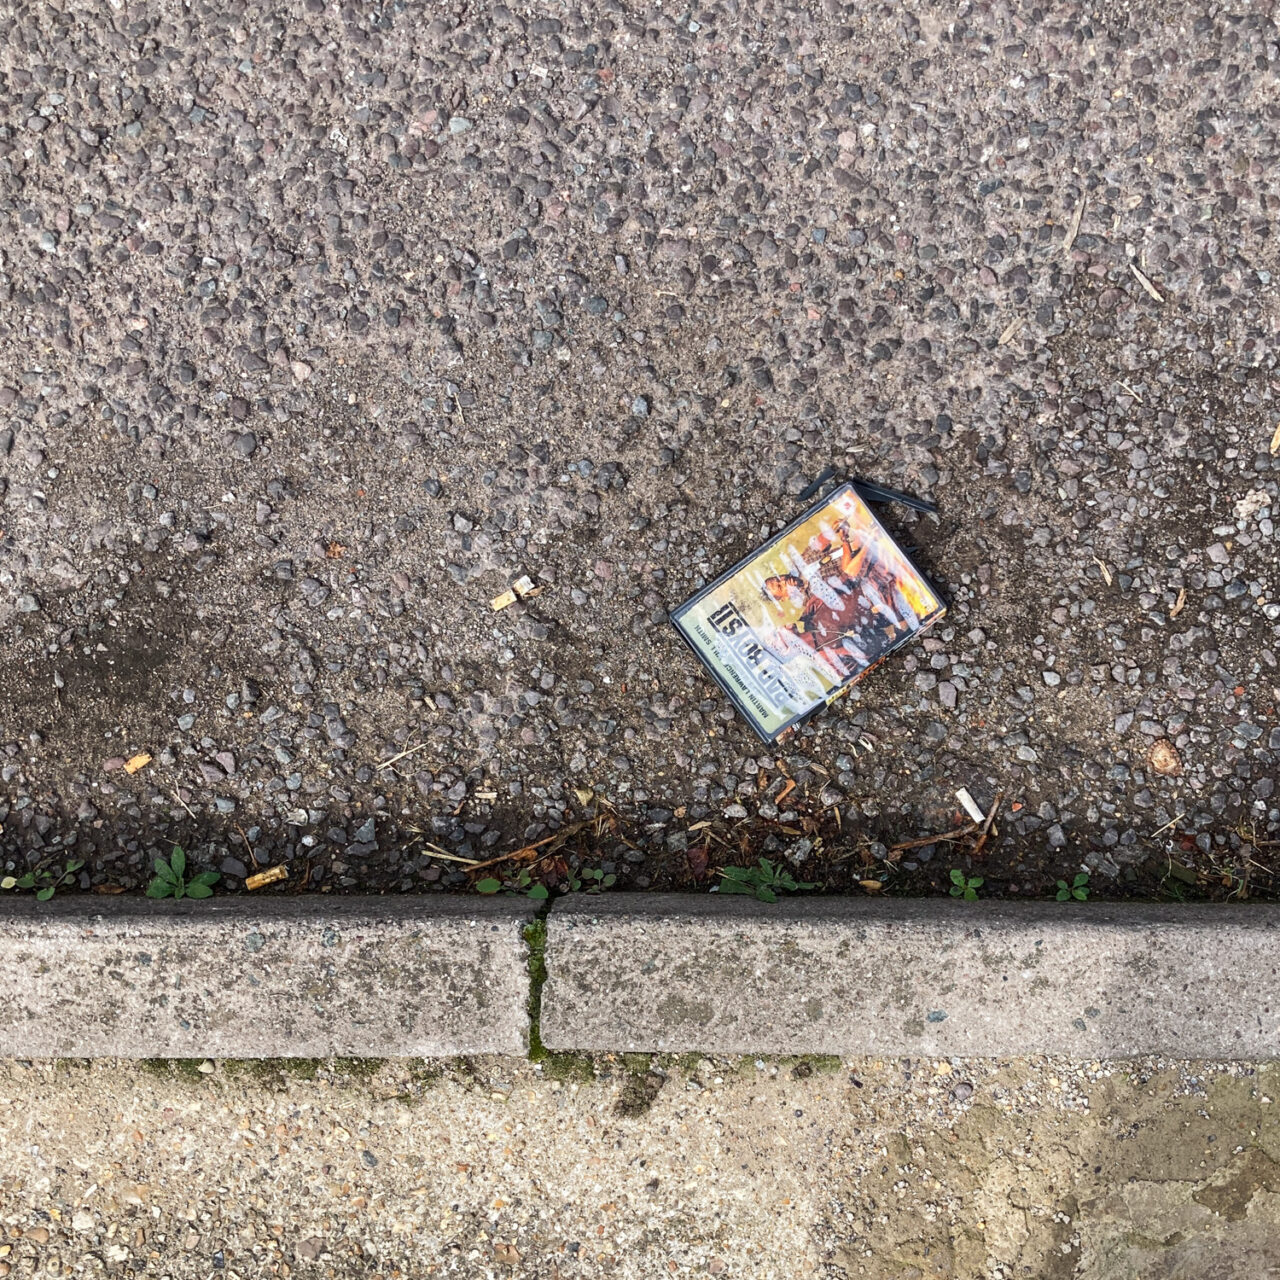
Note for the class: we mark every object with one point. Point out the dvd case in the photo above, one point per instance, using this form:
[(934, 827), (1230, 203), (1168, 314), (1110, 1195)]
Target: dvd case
[(787, 630)]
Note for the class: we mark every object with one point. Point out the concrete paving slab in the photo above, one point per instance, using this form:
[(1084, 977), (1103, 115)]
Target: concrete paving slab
[(267, 977), (729, 975), (741, 1169)]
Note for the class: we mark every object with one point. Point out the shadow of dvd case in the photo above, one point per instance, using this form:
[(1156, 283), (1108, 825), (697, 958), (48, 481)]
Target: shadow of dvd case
[(791, 627)]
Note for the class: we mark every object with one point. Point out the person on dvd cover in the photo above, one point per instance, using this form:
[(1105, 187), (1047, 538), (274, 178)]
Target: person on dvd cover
[(846, 604)]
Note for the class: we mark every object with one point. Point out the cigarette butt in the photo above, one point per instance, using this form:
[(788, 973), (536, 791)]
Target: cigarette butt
[(970, 805), (137, 762), (270, 876), (523, 586), (502, 601)]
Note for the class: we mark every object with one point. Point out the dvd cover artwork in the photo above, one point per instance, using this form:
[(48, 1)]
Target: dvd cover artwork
[(802, 618)]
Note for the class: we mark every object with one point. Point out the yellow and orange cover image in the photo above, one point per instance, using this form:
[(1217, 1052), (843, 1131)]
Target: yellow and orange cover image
[(799, 620)]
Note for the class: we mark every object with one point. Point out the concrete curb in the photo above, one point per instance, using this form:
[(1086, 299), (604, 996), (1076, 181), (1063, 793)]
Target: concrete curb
[(859, 976), (309, 977), (431, 977)]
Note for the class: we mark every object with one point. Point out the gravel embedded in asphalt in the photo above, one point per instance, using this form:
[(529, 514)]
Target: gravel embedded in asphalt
[(321, 329)]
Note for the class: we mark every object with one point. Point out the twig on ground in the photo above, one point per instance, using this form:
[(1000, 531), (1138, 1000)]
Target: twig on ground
[(1167, 825), (988, 826), (1010, 332), (1074, 228), (959, 833), (527, 852), (436, 850), (386, 764), (449, 857), (184, 804), (253, 857), (1141, 278)]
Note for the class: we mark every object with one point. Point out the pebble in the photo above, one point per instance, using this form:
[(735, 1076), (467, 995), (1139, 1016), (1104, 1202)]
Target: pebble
[(314, 592)]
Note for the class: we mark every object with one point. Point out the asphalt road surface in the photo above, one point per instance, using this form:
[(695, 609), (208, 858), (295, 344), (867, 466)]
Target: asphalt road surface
[(324, 323)]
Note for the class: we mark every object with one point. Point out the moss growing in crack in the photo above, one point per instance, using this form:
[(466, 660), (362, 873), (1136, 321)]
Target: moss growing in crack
[(184, 1069), (812, 1064), (638, 1094), (800, 1065), (420, 1076), (268, 1073), (357, 1068), (68, 1066), (426, 1073), (684, 1064), (577, 1067), (535, 936), (569, 1068)]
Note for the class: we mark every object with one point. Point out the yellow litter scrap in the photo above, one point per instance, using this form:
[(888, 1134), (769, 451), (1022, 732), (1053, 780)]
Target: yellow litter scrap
[(523, 588), (267, 877)]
